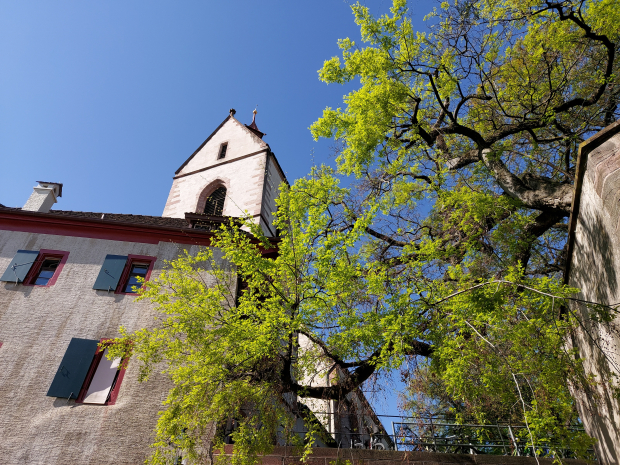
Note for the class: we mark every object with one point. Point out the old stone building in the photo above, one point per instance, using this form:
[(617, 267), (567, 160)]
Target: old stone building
[(593, 266), (67, 283)]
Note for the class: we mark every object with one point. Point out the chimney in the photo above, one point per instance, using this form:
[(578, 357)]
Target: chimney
[(43, 197)]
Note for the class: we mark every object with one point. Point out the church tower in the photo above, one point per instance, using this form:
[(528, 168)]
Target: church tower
[(232, 173)]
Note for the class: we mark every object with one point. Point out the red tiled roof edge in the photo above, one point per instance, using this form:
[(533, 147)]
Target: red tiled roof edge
[(112, 226), (120, 227)]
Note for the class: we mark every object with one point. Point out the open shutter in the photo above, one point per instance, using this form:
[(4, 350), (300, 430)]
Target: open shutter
[(103, 380), (20, 266), (73, 368), (110, 272)]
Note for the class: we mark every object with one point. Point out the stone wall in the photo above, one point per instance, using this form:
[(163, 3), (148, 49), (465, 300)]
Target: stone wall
[(594, 268), (324, 456), (36, 325)]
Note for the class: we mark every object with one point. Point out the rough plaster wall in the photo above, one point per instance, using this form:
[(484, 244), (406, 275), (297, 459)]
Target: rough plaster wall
[(243, 178), (270, 193), (596, 271), (36, 325)]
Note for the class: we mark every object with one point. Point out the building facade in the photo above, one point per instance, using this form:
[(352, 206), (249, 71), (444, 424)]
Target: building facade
[(593, 266), (67, 283)]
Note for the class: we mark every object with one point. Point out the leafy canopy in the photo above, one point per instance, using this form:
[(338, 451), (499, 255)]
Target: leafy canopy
[(458, 150)]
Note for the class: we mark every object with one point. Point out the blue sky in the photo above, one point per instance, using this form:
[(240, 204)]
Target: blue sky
[(111, 97)]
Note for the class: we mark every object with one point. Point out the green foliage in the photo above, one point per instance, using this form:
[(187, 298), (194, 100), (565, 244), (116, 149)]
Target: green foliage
[(458, 152), (465, 136), (205, 344), (237, 360)]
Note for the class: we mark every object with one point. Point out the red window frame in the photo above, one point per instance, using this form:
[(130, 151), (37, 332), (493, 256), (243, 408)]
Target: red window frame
[(31, 277), (131, 259), (113, 395)]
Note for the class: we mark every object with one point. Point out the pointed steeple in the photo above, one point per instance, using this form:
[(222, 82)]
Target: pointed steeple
[(252, 126)]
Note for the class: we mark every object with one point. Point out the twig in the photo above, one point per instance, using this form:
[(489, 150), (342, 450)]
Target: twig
[(525, 418), (503, 281)]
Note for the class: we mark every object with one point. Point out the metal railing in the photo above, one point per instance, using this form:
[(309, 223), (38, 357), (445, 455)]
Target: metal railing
[(442, 435), (437, 435)]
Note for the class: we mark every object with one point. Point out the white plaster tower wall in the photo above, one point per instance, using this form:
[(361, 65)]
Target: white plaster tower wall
[(273, 179), (240, 173), (243, 181), (248, 171)]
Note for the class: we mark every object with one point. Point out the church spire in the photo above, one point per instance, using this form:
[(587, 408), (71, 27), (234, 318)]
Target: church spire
[(253, 126)]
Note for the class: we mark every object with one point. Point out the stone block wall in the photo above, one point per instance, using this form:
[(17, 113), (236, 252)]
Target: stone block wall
[(594, 268), (325, 456)]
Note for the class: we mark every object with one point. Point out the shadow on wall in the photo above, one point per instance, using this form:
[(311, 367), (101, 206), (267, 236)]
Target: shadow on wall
[(594, 266), (594, 272)]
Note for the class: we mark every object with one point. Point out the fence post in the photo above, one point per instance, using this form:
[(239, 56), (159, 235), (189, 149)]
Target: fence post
[(502, 439), (395, 438), (514, 441)]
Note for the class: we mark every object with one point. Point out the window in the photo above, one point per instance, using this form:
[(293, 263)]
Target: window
[(48, 267), (138, 270), (35, 268), (103, 380), (85, 374), (215, 202), (119, 273), (222, 152)]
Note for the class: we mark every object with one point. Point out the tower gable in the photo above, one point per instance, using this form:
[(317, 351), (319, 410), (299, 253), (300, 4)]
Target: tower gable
[(241, 141), (233, 159)]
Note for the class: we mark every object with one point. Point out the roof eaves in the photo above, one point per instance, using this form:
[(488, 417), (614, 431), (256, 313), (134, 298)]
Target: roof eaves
[(255, 131), (94, 217)]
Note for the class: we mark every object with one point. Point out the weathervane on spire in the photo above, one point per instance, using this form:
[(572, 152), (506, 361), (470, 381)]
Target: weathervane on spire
[(253, 124)]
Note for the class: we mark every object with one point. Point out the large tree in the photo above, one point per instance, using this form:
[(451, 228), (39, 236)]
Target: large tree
[(458, 150)]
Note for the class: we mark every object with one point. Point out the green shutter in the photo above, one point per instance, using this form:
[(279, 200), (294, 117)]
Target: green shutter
[(73, 368), (20, 266), (110, 272)]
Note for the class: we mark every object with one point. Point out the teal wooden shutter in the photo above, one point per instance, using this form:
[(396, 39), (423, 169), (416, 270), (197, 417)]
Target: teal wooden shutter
[(20, 266), (73, 368), (110, 272)]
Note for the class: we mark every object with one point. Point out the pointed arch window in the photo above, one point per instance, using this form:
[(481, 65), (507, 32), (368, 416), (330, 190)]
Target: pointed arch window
[(215, 202)]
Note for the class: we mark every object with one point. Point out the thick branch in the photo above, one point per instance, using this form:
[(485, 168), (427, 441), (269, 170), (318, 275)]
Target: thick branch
[(463, 160), (385, 238), (350, 380), (544, 222), (533, 191)]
